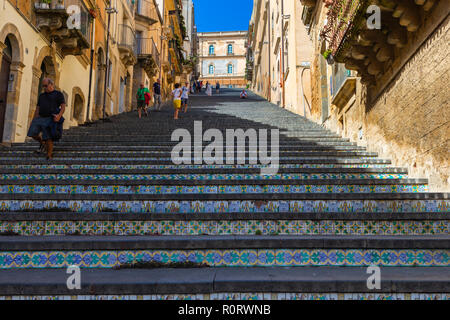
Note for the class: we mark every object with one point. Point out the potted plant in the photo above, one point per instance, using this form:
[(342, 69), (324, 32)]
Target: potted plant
[(60, 4), (45, 4), (93, 11), (326, 54)]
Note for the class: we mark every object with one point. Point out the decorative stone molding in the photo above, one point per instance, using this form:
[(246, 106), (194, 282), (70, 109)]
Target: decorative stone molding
[(53, 24), (371, 52)]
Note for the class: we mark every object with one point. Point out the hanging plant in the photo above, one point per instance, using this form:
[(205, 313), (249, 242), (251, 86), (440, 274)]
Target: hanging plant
[(326, 54)]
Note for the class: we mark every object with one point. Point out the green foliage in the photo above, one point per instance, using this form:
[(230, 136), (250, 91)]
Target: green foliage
[(327, 53)]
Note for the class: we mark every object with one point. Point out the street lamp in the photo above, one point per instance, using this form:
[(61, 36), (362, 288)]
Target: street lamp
[(109, 11)]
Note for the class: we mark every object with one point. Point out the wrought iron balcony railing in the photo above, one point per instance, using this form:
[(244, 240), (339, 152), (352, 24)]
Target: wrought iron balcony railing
[(147, 47)]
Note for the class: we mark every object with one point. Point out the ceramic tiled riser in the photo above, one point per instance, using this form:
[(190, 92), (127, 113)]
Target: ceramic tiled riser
[(227, 227), (229, 258)]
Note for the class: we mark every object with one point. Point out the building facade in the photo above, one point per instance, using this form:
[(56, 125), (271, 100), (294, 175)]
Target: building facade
[(222, 58), (97, 74), (113, 67), (148, 19), (385, 87), (29, 51), (190, 42), (279, 53)]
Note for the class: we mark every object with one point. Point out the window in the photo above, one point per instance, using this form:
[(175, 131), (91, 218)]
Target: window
[(230, 49), (211, 50), (230, 68), (211, 69)]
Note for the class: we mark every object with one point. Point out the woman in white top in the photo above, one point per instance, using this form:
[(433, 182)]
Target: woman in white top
[(177, 99), (208, 89)]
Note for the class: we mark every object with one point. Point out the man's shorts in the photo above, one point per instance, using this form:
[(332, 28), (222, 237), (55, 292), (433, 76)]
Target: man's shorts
[(39, 125), (177, 104), (184, 101), (141, 104)]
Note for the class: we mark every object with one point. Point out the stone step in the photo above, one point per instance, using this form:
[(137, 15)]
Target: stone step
[(176, 170), (225, 203), (24, 178), (214, 251), (243, 187), (307, 283), (138, 138), (242, 181), (167, 154), (128, 224), (296, 143), (139, 135), (74, 148), (32, 159)]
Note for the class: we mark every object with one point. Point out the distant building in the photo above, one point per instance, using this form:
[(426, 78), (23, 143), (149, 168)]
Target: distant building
[(222, 57)]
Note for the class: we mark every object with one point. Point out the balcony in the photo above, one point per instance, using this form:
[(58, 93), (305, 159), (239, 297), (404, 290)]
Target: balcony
[(71, 35), (308, 3), (146, 12), (343, 86), (367, 50), (147, 53), (127, 45)]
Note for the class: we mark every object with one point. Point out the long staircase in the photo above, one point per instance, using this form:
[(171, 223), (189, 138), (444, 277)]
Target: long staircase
[(140, 227)]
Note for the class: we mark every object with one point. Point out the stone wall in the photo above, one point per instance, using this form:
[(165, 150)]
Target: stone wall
[(410, 122)]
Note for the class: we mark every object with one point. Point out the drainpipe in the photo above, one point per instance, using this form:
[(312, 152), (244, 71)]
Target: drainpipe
[(282, 54), (270, 51), (90, 71), (107, 67), (109, 11), (161, 37)]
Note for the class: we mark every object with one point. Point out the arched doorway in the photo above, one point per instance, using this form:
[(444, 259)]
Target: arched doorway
[(78, 105), (47, 71), (44, 66), (5, 69), (11, 66), (99, 83)]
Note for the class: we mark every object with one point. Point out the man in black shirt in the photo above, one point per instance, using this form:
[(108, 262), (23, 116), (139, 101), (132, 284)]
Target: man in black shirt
[(49, 109), (157, 95)]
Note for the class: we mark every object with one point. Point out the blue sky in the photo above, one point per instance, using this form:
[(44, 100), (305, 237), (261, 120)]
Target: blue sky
[(222, 15)]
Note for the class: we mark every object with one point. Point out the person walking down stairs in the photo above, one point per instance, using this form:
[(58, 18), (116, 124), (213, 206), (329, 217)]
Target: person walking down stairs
[(208, 89), (50, 108)]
